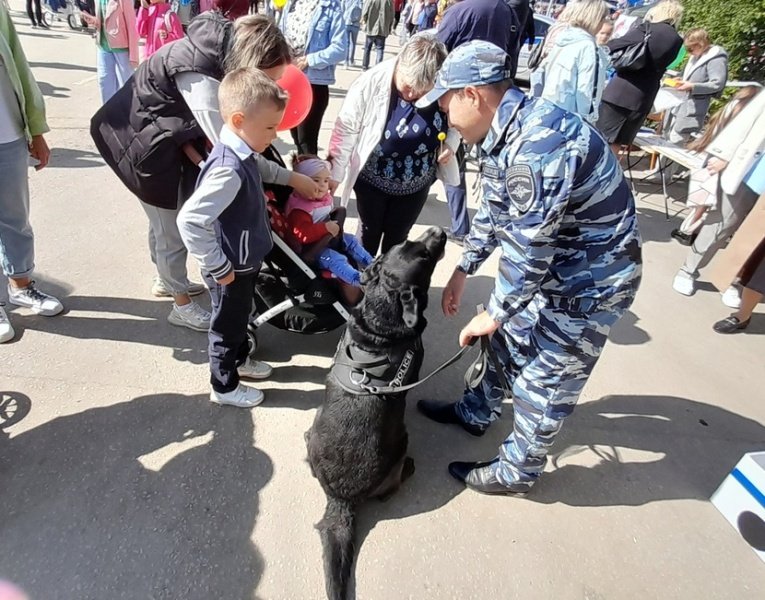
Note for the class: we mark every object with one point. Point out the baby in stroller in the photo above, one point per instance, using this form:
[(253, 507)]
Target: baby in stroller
[(318, 225)]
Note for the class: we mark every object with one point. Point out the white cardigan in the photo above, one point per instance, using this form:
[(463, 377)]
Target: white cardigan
[(360, 125), (741, 143)]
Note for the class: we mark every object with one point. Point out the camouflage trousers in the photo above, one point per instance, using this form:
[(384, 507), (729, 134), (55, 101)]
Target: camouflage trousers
[(548, 352)]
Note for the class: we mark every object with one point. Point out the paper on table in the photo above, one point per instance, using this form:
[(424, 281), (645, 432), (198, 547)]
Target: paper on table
[(667, 98)]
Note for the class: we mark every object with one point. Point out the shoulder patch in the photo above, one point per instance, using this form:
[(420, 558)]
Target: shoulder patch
[(521, 186)]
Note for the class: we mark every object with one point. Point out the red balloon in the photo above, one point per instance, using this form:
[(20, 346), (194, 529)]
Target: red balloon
[(296, 84)]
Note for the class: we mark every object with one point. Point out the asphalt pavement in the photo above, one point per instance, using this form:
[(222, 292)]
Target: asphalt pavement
[(120, 480)]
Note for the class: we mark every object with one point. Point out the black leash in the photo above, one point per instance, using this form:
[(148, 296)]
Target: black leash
[(395, 389), (473, 376)]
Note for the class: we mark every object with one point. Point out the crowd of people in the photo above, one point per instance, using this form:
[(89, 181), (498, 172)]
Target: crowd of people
[(190, 130)]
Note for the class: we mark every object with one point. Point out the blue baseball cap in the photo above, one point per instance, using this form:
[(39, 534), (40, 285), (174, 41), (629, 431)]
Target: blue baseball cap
[(473, 63)]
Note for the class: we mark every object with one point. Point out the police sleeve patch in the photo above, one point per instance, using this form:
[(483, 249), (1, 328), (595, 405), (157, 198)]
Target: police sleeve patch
[(521, 186)]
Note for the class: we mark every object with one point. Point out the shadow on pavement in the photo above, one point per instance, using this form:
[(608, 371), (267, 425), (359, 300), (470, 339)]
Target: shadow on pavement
[(152, 498), (71, 158), (141, 322), (54, 91), (647, 449), (626, 331), (61, 66)]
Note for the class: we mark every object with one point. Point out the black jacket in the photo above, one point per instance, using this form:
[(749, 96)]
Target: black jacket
[(140, 130), (636, 90)]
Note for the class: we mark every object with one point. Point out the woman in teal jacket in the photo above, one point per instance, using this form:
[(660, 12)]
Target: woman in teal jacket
[(315, 30), (22, 125)]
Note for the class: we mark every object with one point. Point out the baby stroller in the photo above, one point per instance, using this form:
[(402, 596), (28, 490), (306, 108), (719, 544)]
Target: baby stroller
[(70, 11), (289, 294)]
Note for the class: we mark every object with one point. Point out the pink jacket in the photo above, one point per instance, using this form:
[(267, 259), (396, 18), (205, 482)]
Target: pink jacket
[(119, 26), (155, 19)]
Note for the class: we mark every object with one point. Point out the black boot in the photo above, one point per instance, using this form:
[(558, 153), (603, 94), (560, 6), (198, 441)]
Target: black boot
[(479, 477), (447, 413)]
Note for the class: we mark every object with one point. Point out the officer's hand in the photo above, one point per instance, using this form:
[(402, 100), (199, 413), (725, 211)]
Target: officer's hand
[(445, 156), (452, 295), (481, 324)]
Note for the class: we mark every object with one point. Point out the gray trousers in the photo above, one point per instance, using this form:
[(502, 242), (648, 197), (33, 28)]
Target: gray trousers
[(718, 227), (166, 248)]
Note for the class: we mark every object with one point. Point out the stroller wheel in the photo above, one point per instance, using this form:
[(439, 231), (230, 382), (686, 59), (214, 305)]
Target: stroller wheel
[(73, 21), (252, 342)]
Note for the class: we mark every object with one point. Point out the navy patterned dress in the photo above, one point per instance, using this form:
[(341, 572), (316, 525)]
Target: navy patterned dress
[(404, 161)]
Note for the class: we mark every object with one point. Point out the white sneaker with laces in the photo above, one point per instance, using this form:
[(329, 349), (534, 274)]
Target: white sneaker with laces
[(732, 298), (6, 330), (242, 396), (190, 315), (159, 289), (254, 369), (684, 284), (35, 300)]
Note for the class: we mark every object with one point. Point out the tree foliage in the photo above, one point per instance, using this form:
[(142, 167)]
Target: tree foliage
[(736, 25)]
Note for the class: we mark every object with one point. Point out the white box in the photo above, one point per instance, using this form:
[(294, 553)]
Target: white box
[(741, 500)]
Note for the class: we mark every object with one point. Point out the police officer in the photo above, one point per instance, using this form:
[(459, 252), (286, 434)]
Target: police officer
[(557, 205)]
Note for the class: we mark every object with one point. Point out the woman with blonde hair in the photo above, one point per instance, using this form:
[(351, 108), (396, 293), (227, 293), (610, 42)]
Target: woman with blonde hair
[(388, 150), (629, 96), (704, 77), (573, 73)]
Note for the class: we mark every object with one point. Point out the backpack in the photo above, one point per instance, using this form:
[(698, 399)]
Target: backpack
[(634, 57), (353, 12)]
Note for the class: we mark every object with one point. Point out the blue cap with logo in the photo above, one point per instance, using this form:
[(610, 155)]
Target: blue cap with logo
[(473, 63)]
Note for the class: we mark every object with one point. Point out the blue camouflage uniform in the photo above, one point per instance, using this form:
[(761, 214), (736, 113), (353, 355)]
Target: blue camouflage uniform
[(556, 203)]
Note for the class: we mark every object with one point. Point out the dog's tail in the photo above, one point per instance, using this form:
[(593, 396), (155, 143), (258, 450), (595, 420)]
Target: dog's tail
[(336, 531)]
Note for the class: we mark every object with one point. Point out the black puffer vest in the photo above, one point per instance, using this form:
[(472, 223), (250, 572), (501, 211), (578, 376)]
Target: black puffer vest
[(140, 130)]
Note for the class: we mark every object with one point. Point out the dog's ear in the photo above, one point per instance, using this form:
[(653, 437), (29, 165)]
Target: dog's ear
[(371, 273), (409, 306)]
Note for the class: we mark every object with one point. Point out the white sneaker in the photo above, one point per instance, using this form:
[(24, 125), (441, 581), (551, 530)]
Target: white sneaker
[(684, 284), (6, 330), (159, 289), (32, 298), (254, 369), (190, 315), (242, 396), (732, 298)]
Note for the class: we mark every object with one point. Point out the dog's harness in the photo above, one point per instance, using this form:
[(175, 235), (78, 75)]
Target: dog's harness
[(361, 372)]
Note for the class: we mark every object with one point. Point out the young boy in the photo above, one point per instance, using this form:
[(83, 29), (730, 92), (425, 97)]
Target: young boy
[(225, 227)]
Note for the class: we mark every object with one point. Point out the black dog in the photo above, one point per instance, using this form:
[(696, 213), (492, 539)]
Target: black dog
[(357, 444)]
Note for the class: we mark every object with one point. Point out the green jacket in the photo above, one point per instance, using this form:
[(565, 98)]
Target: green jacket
[(25, 87)]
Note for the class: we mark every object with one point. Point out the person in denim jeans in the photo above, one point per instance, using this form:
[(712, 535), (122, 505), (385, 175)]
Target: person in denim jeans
[(117, 43), (315, 31), (378, 24), (22, 125), (352, 17)]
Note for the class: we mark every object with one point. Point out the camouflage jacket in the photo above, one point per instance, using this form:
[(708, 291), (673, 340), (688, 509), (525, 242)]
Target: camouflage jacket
[(556, 202)]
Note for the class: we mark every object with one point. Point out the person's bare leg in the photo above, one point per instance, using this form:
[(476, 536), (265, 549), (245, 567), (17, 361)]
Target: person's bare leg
[(19, 282), (749, 300), (182, 299)]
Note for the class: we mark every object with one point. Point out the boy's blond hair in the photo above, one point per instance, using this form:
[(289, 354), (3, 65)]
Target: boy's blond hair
[(245, 89)]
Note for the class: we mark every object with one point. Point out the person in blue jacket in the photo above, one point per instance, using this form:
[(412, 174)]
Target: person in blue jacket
[(315, 31), (557, 205)]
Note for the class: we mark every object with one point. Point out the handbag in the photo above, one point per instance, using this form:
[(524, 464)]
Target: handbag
[(634, 57)]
